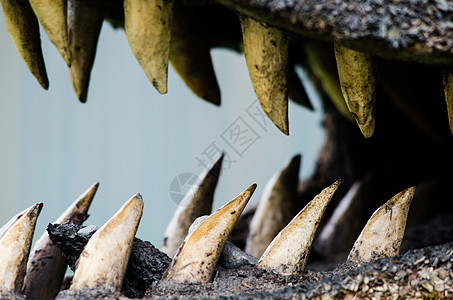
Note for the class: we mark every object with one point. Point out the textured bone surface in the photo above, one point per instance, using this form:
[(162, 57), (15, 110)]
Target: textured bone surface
[(191, 207), (358, 84), (266, 54), (147, 25), (46, 266), (288, 252), (275, 209), (383, 234), (104, 259), (196, 259), (15, 242)]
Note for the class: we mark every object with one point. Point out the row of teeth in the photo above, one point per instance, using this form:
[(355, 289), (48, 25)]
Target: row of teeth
[(159, 31), (282, 242)]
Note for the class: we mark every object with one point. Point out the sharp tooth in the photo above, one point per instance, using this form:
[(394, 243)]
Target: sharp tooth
[(356, 73), (104, 259), (46, 266), (448, 83), (197, 257), (148, 29), (275, 209), (266, 54), (190, 56), (84, 24), (383, 234), (15, 241), (23, 27), (288, 252), (192, 207), (52, 16), (296, 90)]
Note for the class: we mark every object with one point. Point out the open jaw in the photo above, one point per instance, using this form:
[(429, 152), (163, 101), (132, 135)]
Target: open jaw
[(385, 65)]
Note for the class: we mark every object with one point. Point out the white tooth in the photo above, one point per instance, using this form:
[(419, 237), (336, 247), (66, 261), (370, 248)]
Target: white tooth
[(275, 209), (288, 252), (197, 257), (104, 259), (46, 266), (383, 234), (448, 84), (15, 241), (192, 206)]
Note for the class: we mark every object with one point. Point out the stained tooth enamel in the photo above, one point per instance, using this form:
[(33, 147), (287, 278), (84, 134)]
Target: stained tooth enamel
[(288, 252), (23, 27), (52, 16), (46, 266), (104, 259), (84, 25), (357, 79), (266, 54), (383, 234), (448, 89), (197, 257), (15, 242), (192, 207), (148, 29), (275, 209), (190, 54)]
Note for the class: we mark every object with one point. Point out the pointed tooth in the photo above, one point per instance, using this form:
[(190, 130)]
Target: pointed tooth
[(275, 209), (266, 54), (383, 234), (358, 84), (23, 27), (84, 25), (190, 55), (448, 84), (148, 29), (15, 241), (296, 90), (321, 61), (198, 255), (288, 252), (46, 266), (52, 15), (192, 207), (104, 259)]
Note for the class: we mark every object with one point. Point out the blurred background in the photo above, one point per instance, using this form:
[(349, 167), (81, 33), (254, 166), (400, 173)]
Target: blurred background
[(130, 138)]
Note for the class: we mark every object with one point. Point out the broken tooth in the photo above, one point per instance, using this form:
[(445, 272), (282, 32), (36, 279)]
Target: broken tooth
[(84, 25), (198, 255), (275, 209), (266, 54), (288, 252), (357, 79), (52, 16), (296, 90), (148, 29), (448, 89), (15, 241), (46, 266), (190, 55), (23, 27), (383, 234), (104, 259), (192, 206)]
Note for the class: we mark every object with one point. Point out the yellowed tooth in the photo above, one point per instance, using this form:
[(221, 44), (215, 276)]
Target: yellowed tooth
[(266, 54), (46, 265), (52, 16), (84, 24), (198, 255), (190, 56), (296, 90), (23, 27), (275, 209), (383, 234), (358, 84), (148, 29), (192, 206), (288, 252), (104, 259), (15, 241), (448, 84)]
